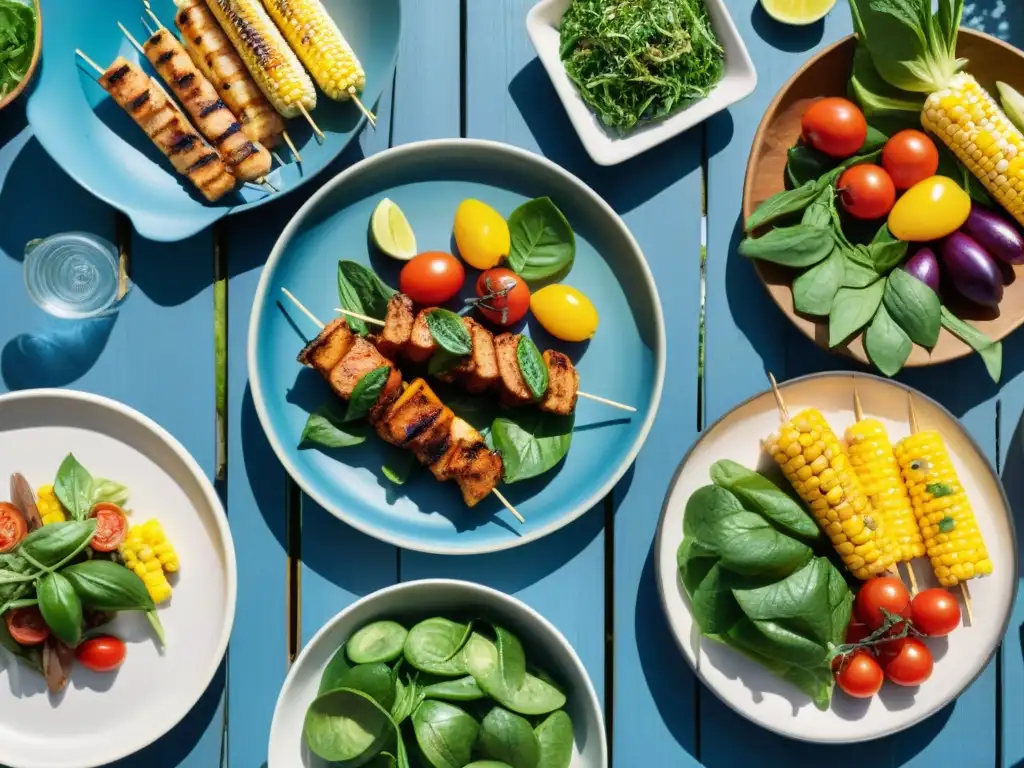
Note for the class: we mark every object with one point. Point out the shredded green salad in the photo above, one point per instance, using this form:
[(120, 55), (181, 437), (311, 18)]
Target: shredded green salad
[(639, 60), (17, 43)]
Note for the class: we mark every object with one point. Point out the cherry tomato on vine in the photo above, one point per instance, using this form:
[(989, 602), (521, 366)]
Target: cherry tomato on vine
[(504, 296), (432, 278), (111, 527), (27, 626), (857, 630), (104, 653), (860, 675), (866, 192), (909, 157), (834, 126), (909, 663), (12, 527), (936, 612), (885, 592)]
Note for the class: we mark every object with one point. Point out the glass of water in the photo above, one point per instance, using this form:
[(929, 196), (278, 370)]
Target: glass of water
[(74, 275)]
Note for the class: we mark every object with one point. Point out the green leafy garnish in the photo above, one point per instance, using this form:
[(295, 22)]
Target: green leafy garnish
[(17, 43)]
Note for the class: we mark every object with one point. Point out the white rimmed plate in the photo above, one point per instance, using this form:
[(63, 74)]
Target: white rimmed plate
[(959, 659), (100, 718)]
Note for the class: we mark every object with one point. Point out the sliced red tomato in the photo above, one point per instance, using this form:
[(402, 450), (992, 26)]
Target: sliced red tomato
[(504, 296), (111, 527), (13, 527), (103, 653), (27, 625)]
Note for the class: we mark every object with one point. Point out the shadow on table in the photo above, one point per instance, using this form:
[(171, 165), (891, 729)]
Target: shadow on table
[(55, 357), (786, 37), (264, 473), (1002, 18)]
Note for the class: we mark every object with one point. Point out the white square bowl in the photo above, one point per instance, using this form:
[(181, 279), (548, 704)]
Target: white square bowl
[(604, 145)]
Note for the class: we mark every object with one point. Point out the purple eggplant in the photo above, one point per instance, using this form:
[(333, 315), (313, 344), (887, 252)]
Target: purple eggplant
[(996, 234), (971, 270), (924, 265)]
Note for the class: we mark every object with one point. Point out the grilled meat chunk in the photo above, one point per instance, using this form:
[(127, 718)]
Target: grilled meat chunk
[(479, 371), (514, 389), (361, 358), (397, 326), (411, 416), (421, 341), (328, 348), (477, 469), (564, 383)]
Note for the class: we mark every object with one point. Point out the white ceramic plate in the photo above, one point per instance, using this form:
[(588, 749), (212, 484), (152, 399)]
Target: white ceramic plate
[(960, 658), (605, 146), (100, 718), (416, 600)]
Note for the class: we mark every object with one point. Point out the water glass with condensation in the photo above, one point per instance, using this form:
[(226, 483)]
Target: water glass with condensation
[(75, 275)]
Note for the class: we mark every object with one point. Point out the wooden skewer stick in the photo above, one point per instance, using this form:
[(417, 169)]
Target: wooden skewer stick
[(498, 494), (156, 19), (277, 157), (783, 413), (149, 30), (595, 398), (362, 107), (291, 147), (915, 427), (89, 61), (131, 38), (913, 579), (309, 119)]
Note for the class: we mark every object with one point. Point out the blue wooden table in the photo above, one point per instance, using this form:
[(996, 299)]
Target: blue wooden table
[(177, 352)]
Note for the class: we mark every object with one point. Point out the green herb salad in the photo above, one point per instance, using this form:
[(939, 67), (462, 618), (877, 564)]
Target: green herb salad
[(17, 43)]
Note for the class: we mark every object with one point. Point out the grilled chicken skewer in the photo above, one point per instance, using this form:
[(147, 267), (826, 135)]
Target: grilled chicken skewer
[(247, 160), (143, 98), (493, 363)]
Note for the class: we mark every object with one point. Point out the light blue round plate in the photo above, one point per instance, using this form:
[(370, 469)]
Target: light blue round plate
[(101, 147), (625, 361)]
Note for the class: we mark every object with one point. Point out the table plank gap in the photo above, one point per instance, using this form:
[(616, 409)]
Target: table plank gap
[(220, 344)]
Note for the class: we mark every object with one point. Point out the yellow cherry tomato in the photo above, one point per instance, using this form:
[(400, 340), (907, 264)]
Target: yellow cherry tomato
[(564, 312), (929, 210), (481, 233)]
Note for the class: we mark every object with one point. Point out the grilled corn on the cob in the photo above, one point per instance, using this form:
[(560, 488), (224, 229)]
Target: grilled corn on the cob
[(952, 539), (872, 458), (316, 39), (49, 506), (809, 453), (151, 556), (273, 65)]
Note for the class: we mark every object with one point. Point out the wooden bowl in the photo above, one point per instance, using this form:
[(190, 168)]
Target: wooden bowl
[(32, 65), (827, 74)]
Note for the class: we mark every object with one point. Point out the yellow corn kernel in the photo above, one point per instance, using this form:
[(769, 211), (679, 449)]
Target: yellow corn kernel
[(49, 506)]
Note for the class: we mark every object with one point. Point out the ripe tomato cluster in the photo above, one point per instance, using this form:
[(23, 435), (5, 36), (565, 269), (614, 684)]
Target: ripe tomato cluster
[(906, 660)]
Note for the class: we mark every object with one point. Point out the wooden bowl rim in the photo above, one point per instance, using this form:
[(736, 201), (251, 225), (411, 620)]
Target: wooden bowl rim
[(961, 349), (34, 63)]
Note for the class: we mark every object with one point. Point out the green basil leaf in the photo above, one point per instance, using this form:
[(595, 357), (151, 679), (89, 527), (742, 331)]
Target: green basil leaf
[(815, 289), (818, 213), (327, 428), (914, 306), (55, 542), (449, 332), (360, 290), (531, 442), (61, 608), (797, 246), (856, 273), (543, 243), (532, 367), (888, 346), (851, 311), (991, 352), (398, 465), (108, 586), (74, 488), (366, 392), (874, 140), (885, 251), (784, 203), (805, 164)]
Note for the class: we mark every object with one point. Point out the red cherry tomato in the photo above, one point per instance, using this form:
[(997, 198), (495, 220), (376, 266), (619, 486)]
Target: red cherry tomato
[(860, 675), (12, 527), (104, 653), (867, 192), (27, 626), (857, 630), (504, 296), (432, 278), (885, 592), (909, 157), (111, 527), (936, 612), (834, 126), (911, 664)]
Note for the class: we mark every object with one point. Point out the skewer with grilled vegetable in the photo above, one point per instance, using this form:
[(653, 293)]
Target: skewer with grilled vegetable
[(143, 98), (247, 160)]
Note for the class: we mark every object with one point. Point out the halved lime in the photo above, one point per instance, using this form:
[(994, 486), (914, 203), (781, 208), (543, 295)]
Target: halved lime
[(797, 12), (391, 231), (1013, 104)]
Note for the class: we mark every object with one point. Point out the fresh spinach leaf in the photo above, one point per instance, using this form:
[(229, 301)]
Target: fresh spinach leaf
[(887, 344), (885, 251), (375, 680), (874, 141), (805, 165), (555, 738), (543, 243), (366, 392), (761, 495), (709, 587), (991, 352), (914, 307), (785, 203), (532, 367), (361, 291), (345, 724), (851, 311), (511, 659), (531, 442), (334, 672), (434, 645), (508, 737), (796, 246), (449, 332), (856, 274), (446, 733), (74, 488), (534, 697), (876, 97), (379, 641), (819, 213), (462, 689), (815, 289), (328, 428), (61, 608)]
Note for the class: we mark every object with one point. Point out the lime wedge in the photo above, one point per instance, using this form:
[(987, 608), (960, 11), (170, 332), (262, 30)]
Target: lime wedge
[(1013, 104), (391, 231), (797, 12)]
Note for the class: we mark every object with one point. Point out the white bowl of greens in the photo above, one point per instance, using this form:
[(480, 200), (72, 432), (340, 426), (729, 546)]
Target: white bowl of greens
[(467, 675), (605, 56)]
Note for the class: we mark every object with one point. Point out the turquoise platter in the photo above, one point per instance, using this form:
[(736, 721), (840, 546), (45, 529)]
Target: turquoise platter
[(100, 146), (624, 361)]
